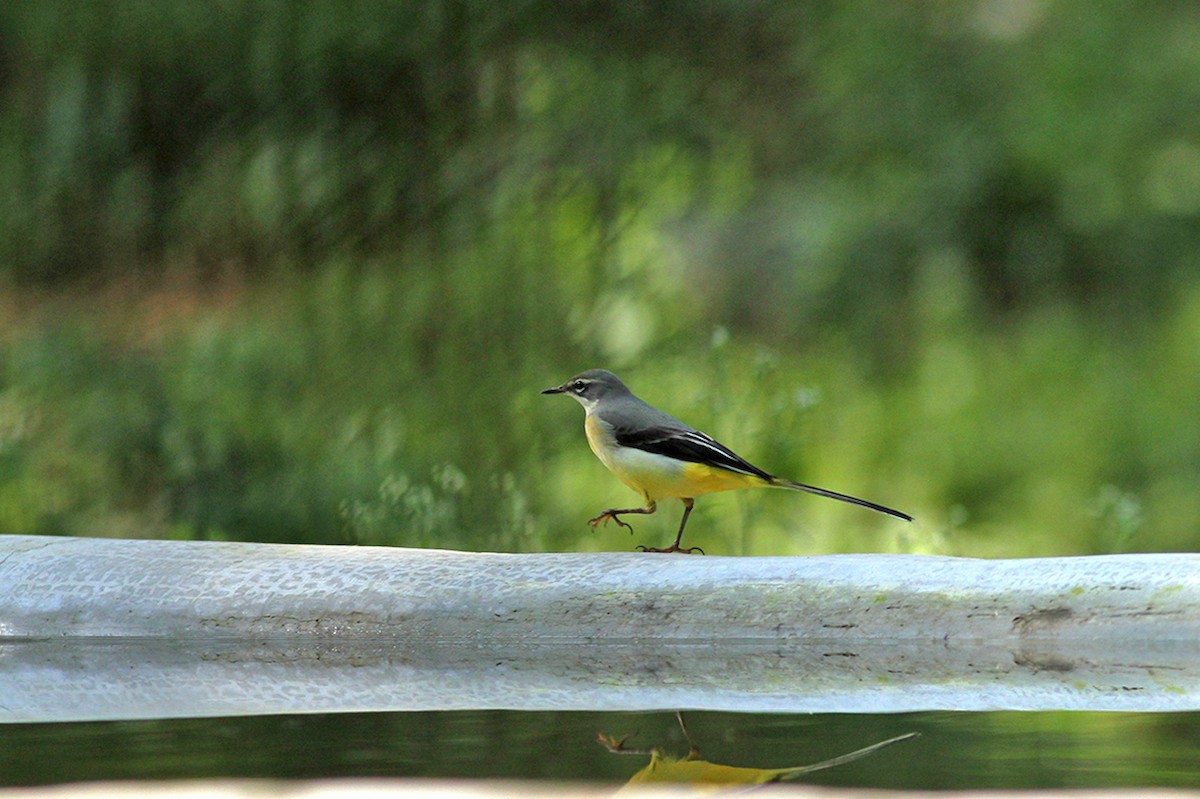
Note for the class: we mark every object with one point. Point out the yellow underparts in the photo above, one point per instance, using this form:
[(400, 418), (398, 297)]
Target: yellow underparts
[(706, 479), (659, 477), (687, 480)]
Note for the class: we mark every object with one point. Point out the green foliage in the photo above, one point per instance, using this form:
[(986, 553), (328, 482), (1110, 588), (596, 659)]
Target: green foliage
[(943, 258)]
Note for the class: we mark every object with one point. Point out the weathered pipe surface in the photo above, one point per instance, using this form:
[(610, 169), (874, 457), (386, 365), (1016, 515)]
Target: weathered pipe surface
[(101, 628)]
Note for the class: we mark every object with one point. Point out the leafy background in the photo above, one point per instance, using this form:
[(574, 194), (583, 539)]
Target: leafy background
[(296, 271)]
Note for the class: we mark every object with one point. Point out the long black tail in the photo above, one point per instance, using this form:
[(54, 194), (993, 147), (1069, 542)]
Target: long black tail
[(825, 492), (793, 773)]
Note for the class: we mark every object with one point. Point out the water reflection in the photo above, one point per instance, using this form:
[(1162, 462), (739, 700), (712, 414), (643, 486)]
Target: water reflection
[(111, 679), (433, 709), (956, 750), (693, 770)]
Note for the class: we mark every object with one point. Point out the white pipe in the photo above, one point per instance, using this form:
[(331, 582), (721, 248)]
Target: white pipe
[(101, 628)]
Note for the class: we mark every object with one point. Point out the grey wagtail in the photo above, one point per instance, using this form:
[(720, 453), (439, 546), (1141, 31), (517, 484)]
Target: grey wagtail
[(659, 456)]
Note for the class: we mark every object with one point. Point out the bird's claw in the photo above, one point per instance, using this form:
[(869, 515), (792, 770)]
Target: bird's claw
[(609, 515), (617, 745), (676, 548), (612, 743)]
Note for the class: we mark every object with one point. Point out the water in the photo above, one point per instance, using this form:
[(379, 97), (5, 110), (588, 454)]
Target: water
[(955, 750), (168, 660)]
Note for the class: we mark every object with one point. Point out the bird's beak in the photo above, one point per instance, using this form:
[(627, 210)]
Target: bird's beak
[(555, 390)]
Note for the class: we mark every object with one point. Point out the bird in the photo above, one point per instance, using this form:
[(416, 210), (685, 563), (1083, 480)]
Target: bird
[(660, 457)]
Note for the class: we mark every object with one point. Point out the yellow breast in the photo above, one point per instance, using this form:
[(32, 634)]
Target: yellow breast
[(600, 439)]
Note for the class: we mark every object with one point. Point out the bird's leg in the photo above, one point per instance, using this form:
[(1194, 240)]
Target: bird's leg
[(615, 515), (688, 504), (693, 749)]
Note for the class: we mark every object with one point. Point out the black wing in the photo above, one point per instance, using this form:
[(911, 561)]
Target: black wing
[(688, 445)]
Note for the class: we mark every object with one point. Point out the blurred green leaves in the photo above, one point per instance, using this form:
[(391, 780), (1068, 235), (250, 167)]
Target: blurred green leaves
[(276, 270)]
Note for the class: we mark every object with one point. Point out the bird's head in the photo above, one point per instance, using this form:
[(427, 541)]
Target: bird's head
[(590, 387)]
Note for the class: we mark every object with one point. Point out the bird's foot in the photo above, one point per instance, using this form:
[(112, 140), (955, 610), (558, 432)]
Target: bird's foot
[(672, 548), (610, 514), (612, 743), (617, 745)]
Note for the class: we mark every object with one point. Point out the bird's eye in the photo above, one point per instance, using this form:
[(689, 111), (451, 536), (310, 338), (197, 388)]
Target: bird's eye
[(578, 386)]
